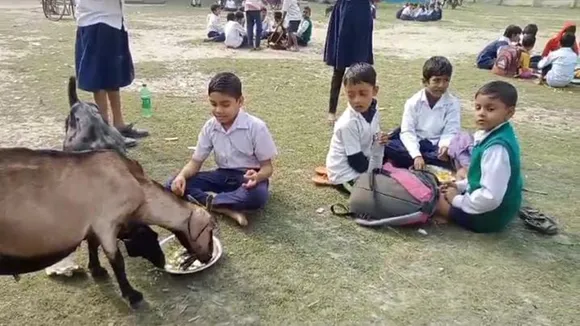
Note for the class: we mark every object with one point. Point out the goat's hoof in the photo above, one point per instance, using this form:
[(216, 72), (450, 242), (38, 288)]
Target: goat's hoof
[(135, 298), (99, 272)]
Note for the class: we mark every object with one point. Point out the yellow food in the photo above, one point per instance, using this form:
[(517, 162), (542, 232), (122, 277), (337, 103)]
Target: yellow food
[(444, 176)]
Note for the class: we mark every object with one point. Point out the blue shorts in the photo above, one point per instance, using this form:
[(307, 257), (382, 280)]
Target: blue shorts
[(293, 26), (463, 219)]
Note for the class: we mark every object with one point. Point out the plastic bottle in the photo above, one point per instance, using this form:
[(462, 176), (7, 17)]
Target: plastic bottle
[(146, 106)]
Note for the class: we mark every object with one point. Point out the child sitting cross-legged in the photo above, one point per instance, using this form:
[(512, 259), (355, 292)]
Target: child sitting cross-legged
[(235, 33), (356, 144), (215, 32), (431, 118), (305, 29), (491, 195), (243, 149)]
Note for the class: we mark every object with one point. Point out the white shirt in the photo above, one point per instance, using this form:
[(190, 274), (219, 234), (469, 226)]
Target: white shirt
[(213, 23), (563, 63), (407, 11), (91, 12), (266, 26), (304, 24), (231, 4), (438, 124), (417, 12), (495, 175), (243, 146), (353, 134), (292, 10), (234, 33)]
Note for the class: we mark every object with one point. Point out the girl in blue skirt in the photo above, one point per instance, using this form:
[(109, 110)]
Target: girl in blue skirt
[(349, 40), (103, 60)]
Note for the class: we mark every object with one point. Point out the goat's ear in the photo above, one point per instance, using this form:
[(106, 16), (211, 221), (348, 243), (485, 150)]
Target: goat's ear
[(66, 124), (136, 170)]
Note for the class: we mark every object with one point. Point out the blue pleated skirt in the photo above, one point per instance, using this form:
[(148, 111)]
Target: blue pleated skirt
[(102, 58), (349, 38)]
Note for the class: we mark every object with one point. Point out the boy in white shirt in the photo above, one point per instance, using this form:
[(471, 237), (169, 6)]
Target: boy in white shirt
[(267, 25), (357, 143), (431, 118), (558, 67), (292, 15), (215, 32), (235, 33)]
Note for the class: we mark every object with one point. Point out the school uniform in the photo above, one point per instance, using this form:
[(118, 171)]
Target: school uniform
[(235, 35), (242, 147), (214, 28), (423, 130), (253, 21), (349, 37), (486, 58), (304, 32), (492, 192), (102, 57), (406, 14), (293, 15), (354, 133), (559, 67)]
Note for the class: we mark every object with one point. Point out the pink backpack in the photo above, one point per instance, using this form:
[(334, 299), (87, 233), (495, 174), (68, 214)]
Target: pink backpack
[(392, 196)]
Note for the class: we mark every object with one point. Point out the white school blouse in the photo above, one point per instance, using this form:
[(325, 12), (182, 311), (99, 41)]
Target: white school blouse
[(91, 12)]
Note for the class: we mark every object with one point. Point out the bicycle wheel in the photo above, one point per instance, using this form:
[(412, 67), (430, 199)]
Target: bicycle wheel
[(73, 8), (54, 9)]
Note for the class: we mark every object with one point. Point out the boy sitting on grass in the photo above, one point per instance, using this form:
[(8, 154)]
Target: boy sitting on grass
[(243, 149), (431, 119), (215, 32), (558, 67), (491, 195), (486, 58), (357, 144), (305, 29), (235, 33)]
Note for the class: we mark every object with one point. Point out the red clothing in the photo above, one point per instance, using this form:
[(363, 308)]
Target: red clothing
[(554, 43)]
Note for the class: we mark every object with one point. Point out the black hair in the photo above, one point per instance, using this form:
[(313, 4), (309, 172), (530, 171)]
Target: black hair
[(512, 30), (226, 83), (214, 7), (239, 15), (501, 90), (278, 15), (264, 9), (231, 16), (530, 29), (437, 66), (308, 8), (528, 41), (568, 40), (241, 9), (360, 72)]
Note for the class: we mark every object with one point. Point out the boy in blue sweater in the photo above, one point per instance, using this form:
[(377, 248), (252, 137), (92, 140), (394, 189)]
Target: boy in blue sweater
[(491, 195), (486, 58)]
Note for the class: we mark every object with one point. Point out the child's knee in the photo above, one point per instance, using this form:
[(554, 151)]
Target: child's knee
[(257, 197)]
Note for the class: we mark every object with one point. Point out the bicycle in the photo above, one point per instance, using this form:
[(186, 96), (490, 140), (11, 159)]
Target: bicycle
[(56, 9)]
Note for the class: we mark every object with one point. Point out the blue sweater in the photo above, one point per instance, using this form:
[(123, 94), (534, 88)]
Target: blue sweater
[(487, 56)]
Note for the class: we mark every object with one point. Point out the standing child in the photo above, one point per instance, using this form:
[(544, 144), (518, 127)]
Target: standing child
[(305, 29), (243, 149), (486, 58), (235, 34), (357, 144), (267, 26), (215, 32), (491, 195), (431, 118), (103, 61), (291, 14), (558, 67), (253, 20)]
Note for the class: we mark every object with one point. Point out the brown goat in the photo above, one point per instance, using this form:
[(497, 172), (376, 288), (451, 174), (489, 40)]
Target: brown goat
[(50, 201)]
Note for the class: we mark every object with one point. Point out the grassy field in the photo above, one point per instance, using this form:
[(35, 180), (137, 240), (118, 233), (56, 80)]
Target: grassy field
[(293, 265)]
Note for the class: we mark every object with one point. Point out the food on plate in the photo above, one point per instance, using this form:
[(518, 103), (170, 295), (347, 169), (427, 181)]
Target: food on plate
[(180, 260)]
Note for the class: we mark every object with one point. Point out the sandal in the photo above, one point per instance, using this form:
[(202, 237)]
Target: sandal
[(321, 180), (320, 170), (538, 221), (130, 131)]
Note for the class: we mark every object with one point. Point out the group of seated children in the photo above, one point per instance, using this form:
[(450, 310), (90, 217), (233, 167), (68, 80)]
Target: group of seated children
[(423, 13), (239, 28), (511, 55), (487, 196)]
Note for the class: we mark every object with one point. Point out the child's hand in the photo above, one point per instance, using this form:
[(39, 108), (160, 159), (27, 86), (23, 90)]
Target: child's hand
[(419, 163), (383, 138), (446, 185), (442, 155), (178, 185), (461, 174), (450, 193), (252, 177)]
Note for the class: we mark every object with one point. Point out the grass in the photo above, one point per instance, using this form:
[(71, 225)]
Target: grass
[(292, 265)]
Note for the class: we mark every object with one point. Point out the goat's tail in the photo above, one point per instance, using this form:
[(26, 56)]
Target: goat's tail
[(72, 91)]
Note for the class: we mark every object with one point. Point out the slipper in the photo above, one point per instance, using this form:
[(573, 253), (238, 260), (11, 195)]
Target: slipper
[(321, 180), (538, 221), (320, 170)]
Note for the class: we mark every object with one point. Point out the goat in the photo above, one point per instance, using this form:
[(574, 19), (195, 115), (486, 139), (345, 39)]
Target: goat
[(51, 201)]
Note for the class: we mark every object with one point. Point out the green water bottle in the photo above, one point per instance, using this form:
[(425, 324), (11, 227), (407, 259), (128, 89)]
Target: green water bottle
[(146, 108)]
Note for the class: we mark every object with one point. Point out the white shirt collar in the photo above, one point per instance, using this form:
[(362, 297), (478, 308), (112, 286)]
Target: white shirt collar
[(242, 121), (440, 103), (480, 135)]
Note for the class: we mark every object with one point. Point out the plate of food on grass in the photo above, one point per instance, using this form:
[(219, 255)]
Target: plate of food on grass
[(180, 262)]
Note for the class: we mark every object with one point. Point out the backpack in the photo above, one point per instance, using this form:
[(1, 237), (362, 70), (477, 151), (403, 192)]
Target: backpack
[(392, 196), (508, 61)]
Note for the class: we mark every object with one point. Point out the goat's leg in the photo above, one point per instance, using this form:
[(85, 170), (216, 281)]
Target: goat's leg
[(97, 271), (128, 292)]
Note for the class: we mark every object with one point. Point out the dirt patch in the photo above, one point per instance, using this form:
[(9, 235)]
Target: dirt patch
[(561, 119), (182, 83)]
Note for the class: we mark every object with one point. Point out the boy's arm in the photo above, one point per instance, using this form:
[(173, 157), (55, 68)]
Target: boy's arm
[(265, 150), (377, 150), (352, 148), (408, 134), (546, 60), (202, 150), (452, 124), (303, 27), (495, 175)]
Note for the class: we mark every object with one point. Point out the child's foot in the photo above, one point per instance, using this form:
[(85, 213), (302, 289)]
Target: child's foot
[(331, 119), (236, 216), (540, 81), (440, 220)]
